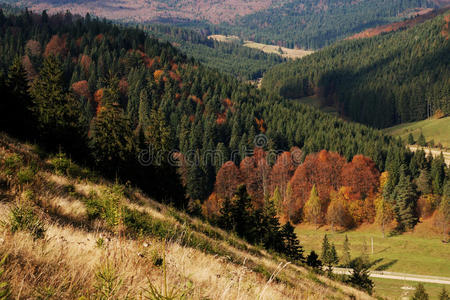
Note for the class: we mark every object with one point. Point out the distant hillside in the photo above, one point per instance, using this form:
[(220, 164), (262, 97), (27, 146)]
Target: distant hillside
[(435, 130), (421, 17), (305, 24), (381, 81)]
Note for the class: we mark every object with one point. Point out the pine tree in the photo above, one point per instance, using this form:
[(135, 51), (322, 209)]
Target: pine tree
[(16, 102), (57, 112), (313, 208), (420, 293), (273, 238), (111, 138), (410, 139), (292, 247), (423, 182), (405, 203), (346, 258), (329, 255), (438, 174), (313, 261), (360, 275), (444, 295), (421, 141)]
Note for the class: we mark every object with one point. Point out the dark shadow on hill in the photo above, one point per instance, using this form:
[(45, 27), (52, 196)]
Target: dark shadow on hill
[(386, 266)]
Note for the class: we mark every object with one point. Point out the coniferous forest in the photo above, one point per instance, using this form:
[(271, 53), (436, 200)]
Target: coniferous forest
[(138, 110), (380, 81)]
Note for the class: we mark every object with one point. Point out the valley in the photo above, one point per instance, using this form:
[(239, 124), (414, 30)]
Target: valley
[(142, 156)]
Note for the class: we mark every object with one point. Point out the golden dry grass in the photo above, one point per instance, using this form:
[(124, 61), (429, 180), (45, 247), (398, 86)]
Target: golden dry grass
[(68, 261)]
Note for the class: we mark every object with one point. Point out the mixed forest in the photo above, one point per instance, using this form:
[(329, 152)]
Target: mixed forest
[(380, 81), (140, 111)]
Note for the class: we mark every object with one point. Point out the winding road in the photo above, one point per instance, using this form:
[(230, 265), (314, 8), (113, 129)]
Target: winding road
[(399, 276)]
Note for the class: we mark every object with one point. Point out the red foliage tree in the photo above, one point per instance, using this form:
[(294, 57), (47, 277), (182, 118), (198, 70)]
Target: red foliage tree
[(56, 46), (282, 171), (362, 176), (256, 174), (85, 63), (227, 180), (81, 88), (322, 169), (33, 48)]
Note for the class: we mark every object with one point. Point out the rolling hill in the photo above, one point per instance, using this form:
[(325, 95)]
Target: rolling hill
[(381, 81), (291, 23)]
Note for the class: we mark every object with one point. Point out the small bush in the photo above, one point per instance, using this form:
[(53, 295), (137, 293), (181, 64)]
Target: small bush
[(106, 205), (22, 218), (108, 282), (100, 242), (156, 258), (25, 175), (12, 162), (5, 292)]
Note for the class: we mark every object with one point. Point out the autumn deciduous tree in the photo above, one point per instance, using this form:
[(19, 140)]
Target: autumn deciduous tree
[(321, 169), (337, 212), (384, 210), (362, 176), (227, 180), (81, 88), (255, 172), (282, 171), (56, 46)]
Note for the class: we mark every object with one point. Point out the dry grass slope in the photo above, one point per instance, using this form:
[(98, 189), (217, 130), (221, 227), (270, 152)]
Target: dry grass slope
[(68, 234)]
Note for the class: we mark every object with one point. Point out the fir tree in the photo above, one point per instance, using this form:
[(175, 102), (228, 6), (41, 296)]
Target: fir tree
[(313, 261), (421, 141), (410, 139), (420, 293), (346, 258), (292, 247), (444, 295), (405, 203), (360, 275)]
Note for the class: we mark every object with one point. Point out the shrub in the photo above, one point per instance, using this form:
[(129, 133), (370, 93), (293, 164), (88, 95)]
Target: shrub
[(23, 218), (25, 175), (5, 292), (12, 163), (106, 205), (108, 282)]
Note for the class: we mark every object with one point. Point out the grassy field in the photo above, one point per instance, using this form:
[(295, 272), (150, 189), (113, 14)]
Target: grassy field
[(282, 51), (398, 289), (433, 129), (420, 252)]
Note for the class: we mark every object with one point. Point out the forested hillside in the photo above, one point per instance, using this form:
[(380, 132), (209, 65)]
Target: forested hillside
[(141, 112), (307, 24), (380, 81), (314, 24), (228, 57)]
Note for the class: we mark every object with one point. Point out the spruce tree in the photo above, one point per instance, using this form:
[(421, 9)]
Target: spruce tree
[(360, 275), (444, 295), (421, 141), (420, 293), (15, 102), (346, 258), (58, 114), (410, 139), (292, 247), (313, 261), (405, 203)]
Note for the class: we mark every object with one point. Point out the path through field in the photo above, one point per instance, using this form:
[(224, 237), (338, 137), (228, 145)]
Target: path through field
[(399, 276), (435, 152)]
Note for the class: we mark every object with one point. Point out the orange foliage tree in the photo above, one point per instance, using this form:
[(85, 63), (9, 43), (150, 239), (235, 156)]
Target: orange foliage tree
[(322, 169), (362, 176), (255, 173), (81, 88), (337, 212), (56, 46)]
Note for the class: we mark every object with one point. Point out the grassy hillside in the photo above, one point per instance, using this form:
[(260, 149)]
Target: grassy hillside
[(437, 130), (67, 233), (418, 252)]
